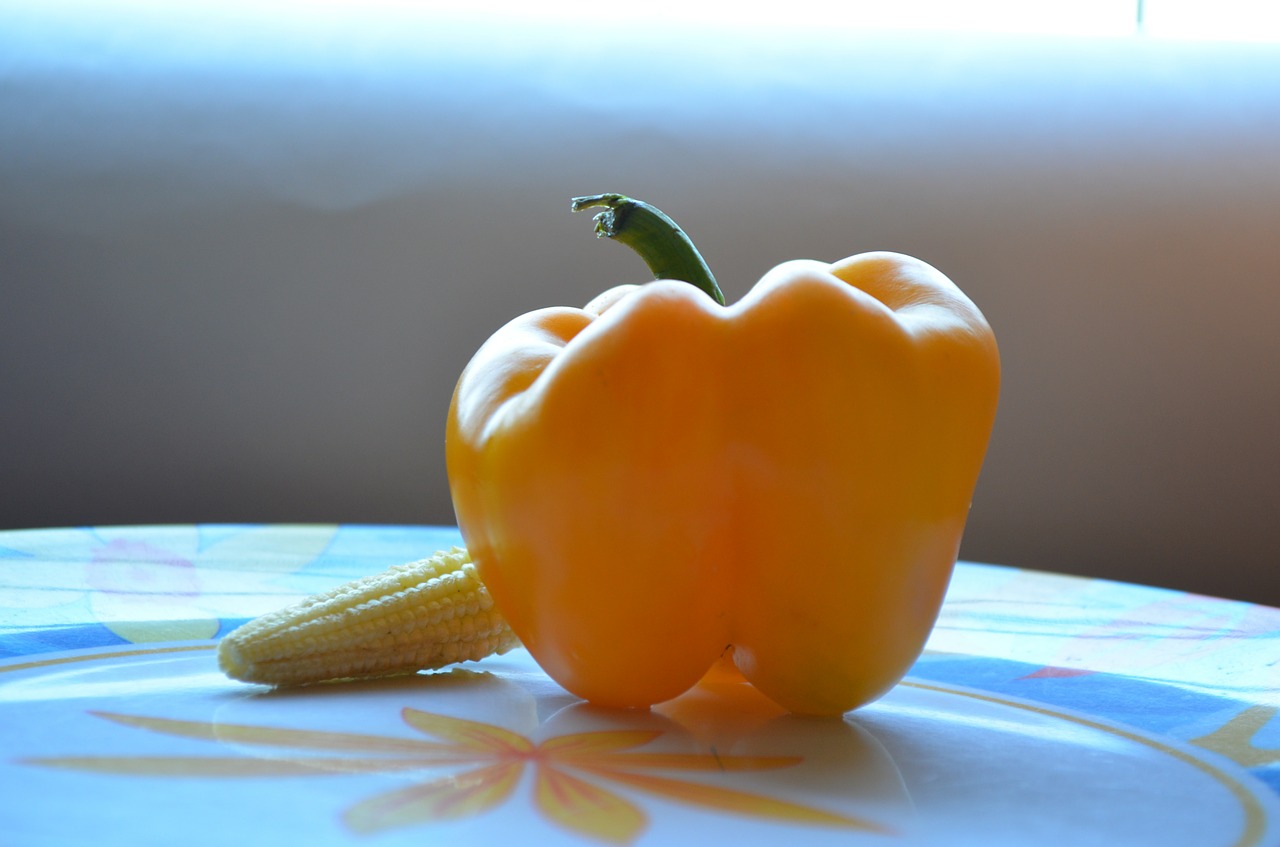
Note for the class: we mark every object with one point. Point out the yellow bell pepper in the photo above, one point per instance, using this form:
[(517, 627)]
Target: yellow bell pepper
[(648, 481)]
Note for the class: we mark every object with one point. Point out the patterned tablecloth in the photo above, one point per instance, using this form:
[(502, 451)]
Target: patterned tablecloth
[(1047, 709)]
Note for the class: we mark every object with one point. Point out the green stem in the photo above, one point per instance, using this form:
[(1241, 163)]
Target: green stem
[(655, 237)]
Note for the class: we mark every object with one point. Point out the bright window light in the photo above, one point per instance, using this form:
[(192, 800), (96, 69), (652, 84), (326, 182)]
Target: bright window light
[(1236, 20), (1093, 17), (1208, 19), (1242, 20), (1098, 17)]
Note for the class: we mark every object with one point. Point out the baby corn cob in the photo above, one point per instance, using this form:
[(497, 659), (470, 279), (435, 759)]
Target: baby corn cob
[(417, 616)]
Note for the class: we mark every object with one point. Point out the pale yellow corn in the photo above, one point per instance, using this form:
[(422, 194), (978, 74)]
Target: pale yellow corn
[(417, 616)]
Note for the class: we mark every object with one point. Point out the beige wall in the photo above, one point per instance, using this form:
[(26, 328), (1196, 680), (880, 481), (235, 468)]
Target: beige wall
[(241, 266)]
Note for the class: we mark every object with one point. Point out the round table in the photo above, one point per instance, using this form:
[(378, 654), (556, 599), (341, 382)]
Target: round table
[(1047, 709)]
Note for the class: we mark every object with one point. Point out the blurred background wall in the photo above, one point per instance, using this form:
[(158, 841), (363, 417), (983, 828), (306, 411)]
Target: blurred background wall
[(244, 254)]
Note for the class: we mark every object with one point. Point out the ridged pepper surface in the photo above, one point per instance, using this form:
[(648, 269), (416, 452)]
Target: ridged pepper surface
[(654, 478)]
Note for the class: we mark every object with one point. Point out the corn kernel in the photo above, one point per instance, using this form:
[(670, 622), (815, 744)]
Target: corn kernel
[(416, 616)]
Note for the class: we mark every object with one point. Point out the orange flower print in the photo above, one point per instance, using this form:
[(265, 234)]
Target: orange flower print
[(583, 782)]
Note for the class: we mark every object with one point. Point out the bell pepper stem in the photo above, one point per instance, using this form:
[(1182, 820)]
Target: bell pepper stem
[(662, 245)]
